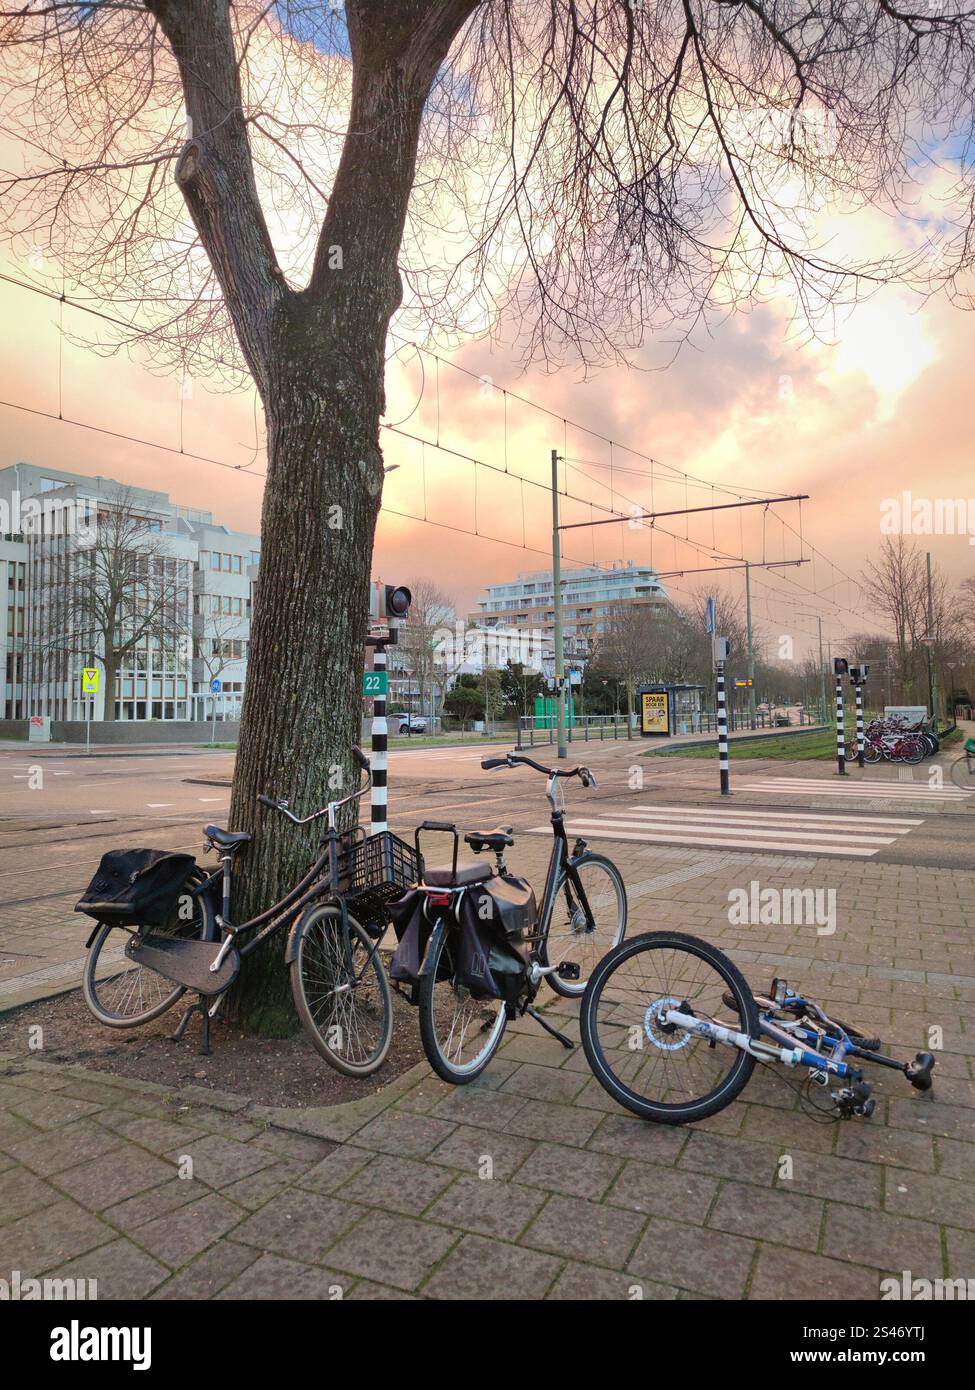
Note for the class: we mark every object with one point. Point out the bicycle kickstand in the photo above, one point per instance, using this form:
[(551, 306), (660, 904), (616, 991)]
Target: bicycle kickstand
[(566, 1042), (198, 1008)]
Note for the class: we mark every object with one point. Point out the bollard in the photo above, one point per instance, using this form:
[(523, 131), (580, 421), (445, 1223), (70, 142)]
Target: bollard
[(722, 735), (380, 756), (840, 740)]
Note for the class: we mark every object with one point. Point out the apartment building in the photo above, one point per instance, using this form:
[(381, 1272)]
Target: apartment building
[(589, 597), (49, 531)]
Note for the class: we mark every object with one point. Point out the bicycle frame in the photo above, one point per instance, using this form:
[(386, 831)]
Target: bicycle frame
[(560, 859)]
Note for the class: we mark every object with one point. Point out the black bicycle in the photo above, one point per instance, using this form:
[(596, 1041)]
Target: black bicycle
[(475, 947), (337, 918)]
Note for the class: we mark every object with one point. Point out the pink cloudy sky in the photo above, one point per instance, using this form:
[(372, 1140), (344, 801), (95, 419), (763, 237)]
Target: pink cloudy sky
[(883, 409)]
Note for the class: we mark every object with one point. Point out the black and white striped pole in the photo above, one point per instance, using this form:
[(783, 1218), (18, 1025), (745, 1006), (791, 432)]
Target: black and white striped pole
[(722, 733), (719, 651), (859, 701), (840, 670), (380, 745)]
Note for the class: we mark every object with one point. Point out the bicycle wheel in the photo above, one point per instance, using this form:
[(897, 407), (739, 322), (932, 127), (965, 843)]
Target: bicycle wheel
[(653, 1068), (344, 1001), (963, 772), (122, 995), (872, 752), (575, 934), (914, 750), (460, 1034)]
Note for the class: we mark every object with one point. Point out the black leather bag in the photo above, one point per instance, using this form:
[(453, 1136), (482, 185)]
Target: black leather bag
[(509, 903), (137, 887)]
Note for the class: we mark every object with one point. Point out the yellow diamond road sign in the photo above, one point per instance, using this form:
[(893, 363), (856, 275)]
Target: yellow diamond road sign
[(89, 680)]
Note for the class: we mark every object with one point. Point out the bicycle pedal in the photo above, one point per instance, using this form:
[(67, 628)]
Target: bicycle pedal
[(568, 970)]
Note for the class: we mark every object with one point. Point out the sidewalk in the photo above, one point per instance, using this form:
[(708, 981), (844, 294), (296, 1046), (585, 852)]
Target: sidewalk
[(393, 1196)]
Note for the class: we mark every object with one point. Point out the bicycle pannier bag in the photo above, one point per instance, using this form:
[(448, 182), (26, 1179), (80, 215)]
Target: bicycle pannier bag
[(510, 903), (137, 887), (412, 932)]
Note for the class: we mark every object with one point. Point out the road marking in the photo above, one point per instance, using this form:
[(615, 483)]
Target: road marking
[(159, 805), (213, 798), (745, 830), (825, 786)]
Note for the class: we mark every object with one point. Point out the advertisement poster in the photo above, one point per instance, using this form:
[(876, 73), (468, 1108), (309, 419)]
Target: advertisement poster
[(654, 712)]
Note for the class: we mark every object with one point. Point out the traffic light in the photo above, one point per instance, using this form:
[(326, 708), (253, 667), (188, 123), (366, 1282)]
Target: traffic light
[(396, 601), (841, 666)]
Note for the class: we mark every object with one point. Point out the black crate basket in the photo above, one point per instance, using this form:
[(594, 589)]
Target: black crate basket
[(376, 871)]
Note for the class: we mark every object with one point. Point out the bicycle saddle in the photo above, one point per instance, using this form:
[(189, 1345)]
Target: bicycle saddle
[(494, 840), (227, 839), (466, 875)]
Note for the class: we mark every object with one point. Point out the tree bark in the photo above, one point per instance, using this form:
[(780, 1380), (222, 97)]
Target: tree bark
[(318, 360)]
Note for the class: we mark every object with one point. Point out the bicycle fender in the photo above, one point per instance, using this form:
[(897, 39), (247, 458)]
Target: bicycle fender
[(295, 933), (443, 926)]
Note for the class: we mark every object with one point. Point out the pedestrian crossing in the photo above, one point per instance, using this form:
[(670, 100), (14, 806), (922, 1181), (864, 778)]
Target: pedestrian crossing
[(717, 827), (857, 789)]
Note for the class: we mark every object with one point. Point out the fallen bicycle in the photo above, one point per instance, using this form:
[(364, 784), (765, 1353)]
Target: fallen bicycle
[(673, 1031)]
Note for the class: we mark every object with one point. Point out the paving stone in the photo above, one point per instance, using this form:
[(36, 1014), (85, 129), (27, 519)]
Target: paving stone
[(580, 1283), (490, 1109), (204, 1277), (730, 1158), (585, 1231), (626, 1136), (219, 1161), (403, 1185), (941, 1200), (480, 1269), (45, 1239), (468, 1149), (138, 1211), (392, 1249), (487, 1206), (545, 1083), (840, 1179), (21, 1192), (777, 1215), (158, 1135), (366, 1289), (258, 1188), (179, 1235), (673, 1192), (103, 1182), (336, 1168), (14, 1131), (696, 1258), (882, 1241), (398, 1132), (301, 1148), (120, 1269), (540, 1119), (874, 1143), (795, 1275), (574, 1172), (540, 1050), (272, 1277), (296, 1223), (961, 1254), (49, 1110)]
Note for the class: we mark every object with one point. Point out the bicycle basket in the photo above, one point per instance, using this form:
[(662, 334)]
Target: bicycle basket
[(379, 870), (137, 887)]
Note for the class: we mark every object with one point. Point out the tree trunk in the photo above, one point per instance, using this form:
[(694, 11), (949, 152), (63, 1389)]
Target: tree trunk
[(323, 398), (110, 668)]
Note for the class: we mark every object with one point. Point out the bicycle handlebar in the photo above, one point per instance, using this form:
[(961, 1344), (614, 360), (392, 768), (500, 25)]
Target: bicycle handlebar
[(513, 759), (282, 805)]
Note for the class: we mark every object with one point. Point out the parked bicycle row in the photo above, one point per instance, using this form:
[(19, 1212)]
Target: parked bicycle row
[(668, 1024), (894, 740)]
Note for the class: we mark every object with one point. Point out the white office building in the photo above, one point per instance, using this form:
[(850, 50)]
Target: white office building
[(49, 519)]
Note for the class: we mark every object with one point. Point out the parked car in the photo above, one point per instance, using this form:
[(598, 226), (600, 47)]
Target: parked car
[(410, 723)]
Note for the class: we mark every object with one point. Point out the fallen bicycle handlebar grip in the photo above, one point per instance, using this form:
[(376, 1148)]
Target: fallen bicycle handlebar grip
[(488, 763)]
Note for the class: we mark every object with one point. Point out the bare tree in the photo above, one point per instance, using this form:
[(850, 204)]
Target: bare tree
[(605, 167), (114, 594), (897, 587), (419, 638)]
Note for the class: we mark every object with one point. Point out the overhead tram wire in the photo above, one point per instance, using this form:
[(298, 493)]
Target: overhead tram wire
[(676, 475)]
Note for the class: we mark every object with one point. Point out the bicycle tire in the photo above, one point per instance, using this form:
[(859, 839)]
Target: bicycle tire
[(330, 953), (573, 989), (139, 977), (432, 979), (741, 1067), (963, 772)]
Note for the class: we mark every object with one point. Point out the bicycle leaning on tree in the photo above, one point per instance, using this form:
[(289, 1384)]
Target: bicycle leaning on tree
[(178, 935)]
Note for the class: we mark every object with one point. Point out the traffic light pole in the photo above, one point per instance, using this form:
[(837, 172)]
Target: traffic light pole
[(840, 742), (751, 648), (379, 750), (858, 688), (722, 732)]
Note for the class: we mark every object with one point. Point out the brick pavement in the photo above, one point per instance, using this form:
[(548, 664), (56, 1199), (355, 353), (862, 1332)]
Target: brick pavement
[(387, 1197)]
